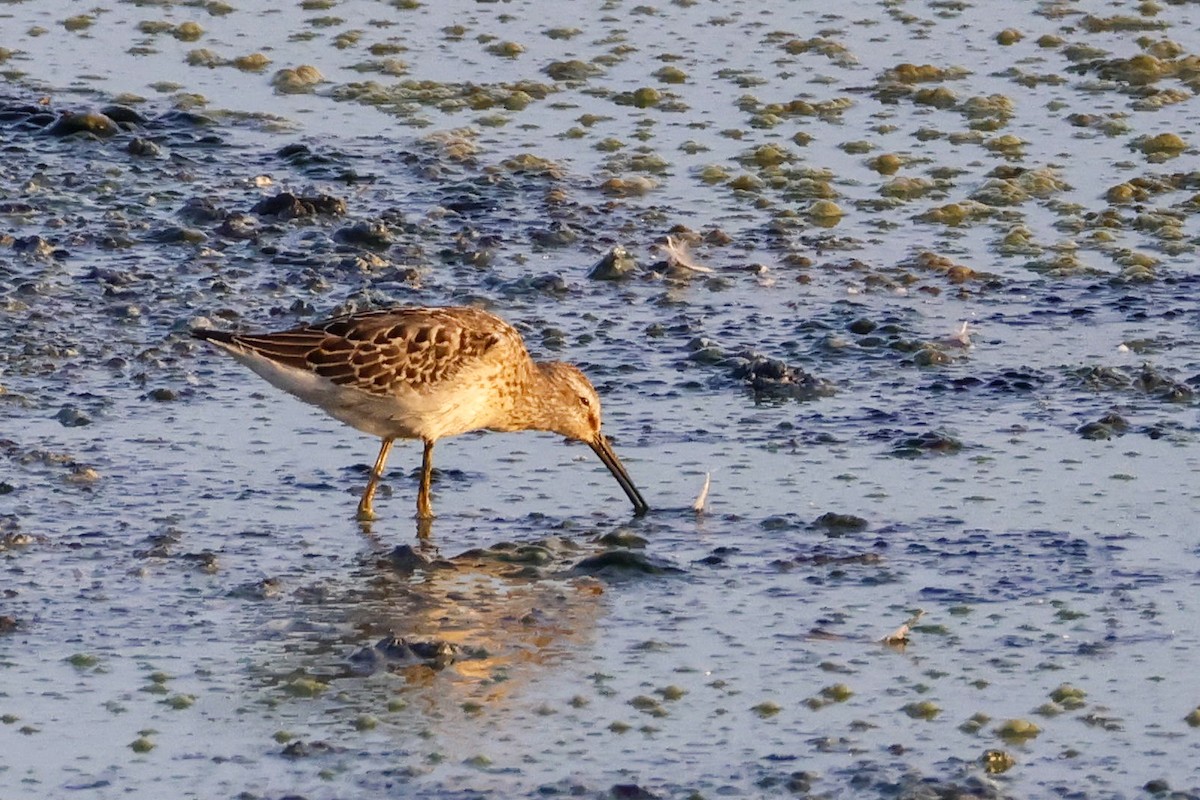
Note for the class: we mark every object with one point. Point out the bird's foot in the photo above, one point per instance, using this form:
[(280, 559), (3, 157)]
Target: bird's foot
[(424, 528)]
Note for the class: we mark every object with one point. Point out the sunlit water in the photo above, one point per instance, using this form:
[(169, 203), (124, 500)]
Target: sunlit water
[(182, 614)]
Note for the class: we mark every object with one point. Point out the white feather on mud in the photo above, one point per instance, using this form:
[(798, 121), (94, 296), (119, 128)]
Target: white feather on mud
[(678, 259), (702, 498), (900, 635)]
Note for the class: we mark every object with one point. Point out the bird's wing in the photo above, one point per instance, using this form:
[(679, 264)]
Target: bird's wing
[(382, 352)]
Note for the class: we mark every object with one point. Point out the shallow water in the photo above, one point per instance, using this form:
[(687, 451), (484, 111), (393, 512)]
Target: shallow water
[(185, 596)]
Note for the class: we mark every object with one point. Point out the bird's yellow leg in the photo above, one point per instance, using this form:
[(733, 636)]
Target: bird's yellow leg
[(424, 502), (366, 510)]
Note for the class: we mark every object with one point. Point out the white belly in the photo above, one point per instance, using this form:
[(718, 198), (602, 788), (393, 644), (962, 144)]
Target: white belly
[(408, 414)]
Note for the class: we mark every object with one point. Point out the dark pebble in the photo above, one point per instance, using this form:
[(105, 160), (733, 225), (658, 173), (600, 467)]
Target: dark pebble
[(365, 234), (623, 538), (617, 264), (861, 326), (186, 119), (72, 417), (622, 562), (123, 114), (302, 749), (770, 378), (289, 206), (199, 210), (1108, 426), (778, 522), (928, 442), (33, 245), (405, 560), (265, 589), (630, 791), (397, 651), (557, 234), (175, 234), (238, 226), (89, 122), (143, 147), (295, 152), (838, 524), (1162, 386), (205, 561)]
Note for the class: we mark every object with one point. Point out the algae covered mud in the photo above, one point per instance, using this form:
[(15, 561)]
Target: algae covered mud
[(926, 314)]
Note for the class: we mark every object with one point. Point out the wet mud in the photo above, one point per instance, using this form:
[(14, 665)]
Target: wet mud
[(910, 287)]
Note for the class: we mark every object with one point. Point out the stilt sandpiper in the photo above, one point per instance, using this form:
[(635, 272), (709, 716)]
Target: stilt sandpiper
[(426, 373)]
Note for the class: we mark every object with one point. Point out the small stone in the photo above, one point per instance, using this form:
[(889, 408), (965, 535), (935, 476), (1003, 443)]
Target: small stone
[(837, 524), (71, 417), (374, 235), (88, 122), (617, 264), (766, 709), (996, 762), (143, 147)]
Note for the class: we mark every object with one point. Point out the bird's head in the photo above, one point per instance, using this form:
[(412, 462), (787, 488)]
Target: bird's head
[(571, 408)]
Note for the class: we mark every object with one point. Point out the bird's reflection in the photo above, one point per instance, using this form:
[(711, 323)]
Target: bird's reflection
[(448, 632)]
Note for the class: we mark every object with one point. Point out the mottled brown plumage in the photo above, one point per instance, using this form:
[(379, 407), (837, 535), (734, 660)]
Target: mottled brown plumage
[(425, 373)]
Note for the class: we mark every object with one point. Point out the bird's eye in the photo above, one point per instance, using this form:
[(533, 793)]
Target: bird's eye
[(585, 401)]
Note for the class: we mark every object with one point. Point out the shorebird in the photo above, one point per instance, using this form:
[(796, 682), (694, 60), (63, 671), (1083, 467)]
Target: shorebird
[(426, 373)]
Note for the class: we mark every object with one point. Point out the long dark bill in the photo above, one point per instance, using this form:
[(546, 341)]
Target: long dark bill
[(603, 449)]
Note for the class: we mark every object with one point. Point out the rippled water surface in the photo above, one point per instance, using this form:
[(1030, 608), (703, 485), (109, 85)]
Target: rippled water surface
[(936, 350)]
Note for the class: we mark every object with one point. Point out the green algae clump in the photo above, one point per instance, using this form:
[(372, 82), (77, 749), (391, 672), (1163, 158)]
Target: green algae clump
[(255, 62), (767, 155), (886, 163), (298, 80), (671, 75), (571, 70), (712, 174), (78, 22), (645, 97), (506, 49), (996, 762), (936, 96), (1163, 144), (766, 709), (1068, 696), (975, 723), (906, 188), (825, 212), (926, 709), (922, 73), (187, 31), (305, 687), (838, 692), (1017, 730)]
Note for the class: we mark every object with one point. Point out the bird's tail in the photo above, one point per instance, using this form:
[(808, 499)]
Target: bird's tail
[(214, 336)]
